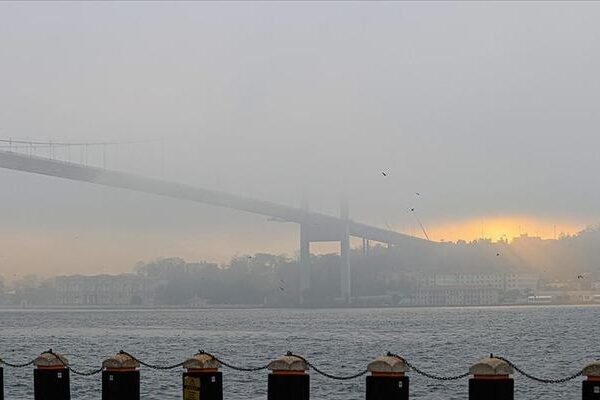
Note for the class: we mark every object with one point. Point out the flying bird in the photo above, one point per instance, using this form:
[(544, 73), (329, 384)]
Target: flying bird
[(579, 276), (412, 209), (418, 194), (384, 173), (497, 254)]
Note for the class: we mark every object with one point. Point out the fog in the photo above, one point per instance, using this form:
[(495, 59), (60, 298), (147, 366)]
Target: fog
[(488, 110)]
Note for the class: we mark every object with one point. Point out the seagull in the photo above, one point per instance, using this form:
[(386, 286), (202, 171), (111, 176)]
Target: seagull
[(384, 173), (579, 276)]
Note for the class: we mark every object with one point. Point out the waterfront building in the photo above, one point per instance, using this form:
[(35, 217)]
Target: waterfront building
[(504, 282), (457, 296), (105, 290)]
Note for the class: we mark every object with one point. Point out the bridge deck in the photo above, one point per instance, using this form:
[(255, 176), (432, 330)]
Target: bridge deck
[(82, 173)]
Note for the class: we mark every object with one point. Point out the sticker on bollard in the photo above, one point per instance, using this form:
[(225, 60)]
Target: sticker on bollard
[(202, 386), (120, 385), (191, 388), (387, 388)]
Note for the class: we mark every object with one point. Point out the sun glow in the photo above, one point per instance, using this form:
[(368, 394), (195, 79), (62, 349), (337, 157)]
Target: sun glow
[(502, 228)]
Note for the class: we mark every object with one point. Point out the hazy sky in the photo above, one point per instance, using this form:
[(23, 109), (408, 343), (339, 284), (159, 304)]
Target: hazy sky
[(489, 110)]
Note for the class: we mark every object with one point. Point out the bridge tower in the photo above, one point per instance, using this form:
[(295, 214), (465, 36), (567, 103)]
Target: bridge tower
[(311, 231), (345, 286), (305, 267)]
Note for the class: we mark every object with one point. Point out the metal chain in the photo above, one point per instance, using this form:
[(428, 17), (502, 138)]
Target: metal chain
[(308, 363), (537, 379), (151, 366), (11, 365), (327, 375), (235, 367), (427, 374)]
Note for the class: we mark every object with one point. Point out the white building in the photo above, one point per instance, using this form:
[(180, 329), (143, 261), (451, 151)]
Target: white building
[(457, 296), (105, 290), (497, 281)]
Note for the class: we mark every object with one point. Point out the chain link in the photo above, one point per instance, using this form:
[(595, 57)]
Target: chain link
[(537, 379), (427, 374), (327, 375), (11, 365), (151, 366), (235, 367)]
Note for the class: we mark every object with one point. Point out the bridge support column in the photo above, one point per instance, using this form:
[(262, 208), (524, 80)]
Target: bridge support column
[(345, 267), (345, 251), (304, 262)]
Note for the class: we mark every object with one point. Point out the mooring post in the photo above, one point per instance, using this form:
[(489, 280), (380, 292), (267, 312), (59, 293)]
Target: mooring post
[(1, 383), (288, 379), (51, 379), (202, 379), (388, 380), (591, 386), (491, 380), (121, 378)]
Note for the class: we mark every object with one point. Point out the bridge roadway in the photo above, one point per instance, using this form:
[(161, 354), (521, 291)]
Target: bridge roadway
[(314, 226)]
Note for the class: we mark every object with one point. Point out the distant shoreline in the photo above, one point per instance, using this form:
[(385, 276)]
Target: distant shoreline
[(260, 307)]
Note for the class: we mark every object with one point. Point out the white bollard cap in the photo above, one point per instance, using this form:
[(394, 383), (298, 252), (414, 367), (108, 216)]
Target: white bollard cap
[(592, 370), (122, 361), (51, 359), (201, 361), (289, 363), (491, 366), (388, 364)]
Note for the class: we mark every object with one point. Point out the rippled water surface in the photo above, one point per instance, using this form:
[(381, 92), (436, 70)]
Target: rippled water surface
[(548, 341)]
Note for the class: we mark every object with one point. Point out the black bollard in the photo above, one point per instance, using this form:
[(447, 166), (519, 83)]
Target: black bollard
[(288, 379), (591, 386), (202, 379), (1, 383), (387, 380), (51, 380), (121, 378), (491, 380)]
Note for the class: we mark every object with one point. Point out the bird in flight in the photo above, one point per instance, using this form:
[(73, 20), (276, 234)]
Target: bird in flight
[(579, 276), (497, 254), (384, 173), (418, 194)]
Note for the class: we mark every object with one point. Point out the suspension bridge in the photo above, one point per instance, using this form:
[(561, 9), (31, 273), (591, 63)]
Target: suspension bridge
[(73, 161)]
